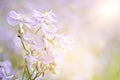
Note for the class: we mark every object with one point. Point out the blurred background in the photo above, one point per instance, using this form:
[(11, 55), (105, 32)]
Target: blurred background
[(95, 30)]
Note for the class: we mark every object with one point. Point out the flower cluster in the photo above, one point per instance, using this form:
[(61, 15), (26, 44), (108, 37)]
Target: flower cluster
[(38, 35)]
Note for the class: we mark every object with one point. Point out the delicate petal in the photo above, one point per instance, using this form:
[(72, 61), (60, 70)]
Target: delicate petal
[(38, 16), (5, 70), (37, 13), (31, 59), (48, 30), (47, 59), (30, 22), (50, 17), (37, 42), (13, 18)]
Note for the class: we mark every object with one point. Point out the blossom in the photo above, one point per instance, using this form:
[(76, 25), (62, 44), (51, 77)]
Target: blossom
[(5, 70), (47, 42), (38, 35), (48, 17), (31, 23), (31, 59), (46, 20), (35, 21), (14, 18), (48, 30), (36, 42)]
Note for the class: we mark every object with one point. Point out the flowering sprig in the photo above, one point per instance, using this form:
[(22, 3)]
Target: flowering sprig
[(43, 46)]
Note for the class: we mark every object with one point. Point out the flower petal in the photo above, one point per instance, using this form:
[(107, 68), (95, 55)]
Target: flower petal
[(13, 18)]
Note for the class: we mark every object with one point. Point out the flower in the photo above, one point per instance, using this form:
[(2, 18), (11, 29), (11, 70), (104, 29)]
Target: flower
[(47, 58), (48, 30), (31, 59), (5, 70), (14, 18), (35, 41), (48, 17), (44, 47), (31, 23), (46, 20)]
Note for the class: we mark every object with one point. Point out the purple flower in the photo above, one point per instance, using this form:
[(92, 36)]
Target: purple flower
[(31, 22), (14, 18), (5, 70), (36, 41), (48, 17), (38, 35), (45, 21)]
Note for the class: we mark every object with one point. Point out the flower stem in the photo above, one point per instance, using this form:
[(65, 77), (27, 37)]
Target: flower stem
[(21, 39), (41, 72), (28, 71), (37, 30), (37, 75), (23, 73)]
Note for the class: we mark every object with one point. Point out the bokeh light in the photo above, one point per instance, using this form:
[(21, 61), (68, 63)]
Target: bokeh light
[(109, 8)]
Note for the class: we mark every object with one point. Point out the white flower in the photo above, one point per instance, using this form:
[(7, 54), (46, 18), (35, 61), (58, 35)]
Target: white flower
[(34, 40)]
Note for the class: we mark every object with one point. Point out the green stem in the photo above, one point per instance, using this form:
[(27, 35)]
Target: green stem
[(28, 71), (37, 30), (33, 72), (23, 44), (20, 35), (39, 73), (23, 73)]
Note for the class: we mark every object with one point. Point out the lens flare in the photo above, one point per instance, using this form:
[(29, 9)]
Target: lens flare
[(109, 9)]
